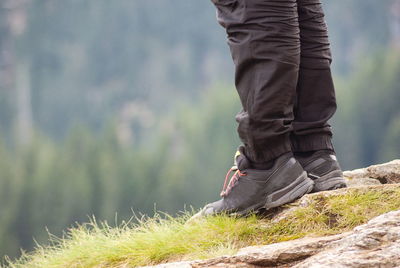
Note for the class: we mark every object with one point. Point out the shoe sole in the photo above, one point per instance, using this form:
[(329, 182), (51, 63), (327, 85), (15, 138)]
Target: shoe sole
[(301, 186), (329, 184)]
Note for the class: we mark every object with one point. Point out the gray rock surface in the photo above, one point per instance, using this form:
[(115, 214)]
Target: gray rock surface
[(375, 244), (357, 182), (384, 173)]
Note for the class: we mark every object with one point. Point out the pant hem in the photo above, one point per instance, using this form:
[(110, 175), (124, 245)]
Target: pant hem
[(266, 152), (312, 142)]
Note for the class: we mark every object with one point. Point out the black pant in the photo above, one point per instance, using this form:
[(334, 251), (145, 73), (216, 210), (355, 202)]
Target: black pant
[(281, 52)]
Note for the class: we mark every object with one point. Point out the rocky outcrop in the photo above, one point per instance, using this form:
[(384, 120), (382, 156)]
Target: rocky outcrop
[(378, 174), (374, 244), (275, 255)]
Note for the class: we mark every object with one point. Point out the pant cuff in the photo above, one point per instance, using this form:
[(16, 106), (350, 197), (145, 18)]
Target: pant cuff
[(265, 152), (311, 142)]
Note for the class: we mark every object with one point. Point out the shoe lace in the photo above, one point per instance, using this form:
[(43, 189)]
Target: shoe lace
[(235, 177)]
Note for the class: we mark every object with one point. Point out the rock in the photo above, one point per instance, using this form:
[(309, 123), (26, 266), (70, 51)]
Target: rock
[(271, 255), (375, 244), (356, 182), (384, 173), (357, 173)]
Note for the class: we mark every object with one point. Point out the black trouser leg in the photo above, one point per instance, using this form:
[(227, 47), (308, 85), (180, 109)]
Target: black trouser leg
[(315, 103), (264, 39)]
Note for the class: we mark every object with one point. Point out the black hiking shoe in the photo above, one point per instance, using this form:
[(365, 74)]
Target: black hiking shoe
[(249, 189), (323, 167)]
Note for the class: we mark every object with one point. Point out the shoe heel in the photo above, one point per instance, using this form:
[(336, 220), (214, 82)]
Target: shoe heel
[(301, 186), (329, 184)]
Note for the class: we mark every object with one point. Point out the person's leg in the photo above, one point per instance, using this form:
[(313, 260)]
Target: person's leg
[(264, 40), (315, 103)]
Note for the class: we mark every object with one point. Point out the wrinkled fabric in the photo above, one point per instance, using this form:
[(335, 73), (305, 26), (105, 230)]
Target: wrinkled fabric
[(282, 59)]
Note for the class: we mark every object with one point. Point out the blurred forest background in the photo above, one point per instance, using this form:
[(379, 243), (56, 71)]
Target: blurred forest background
[(109, 107)]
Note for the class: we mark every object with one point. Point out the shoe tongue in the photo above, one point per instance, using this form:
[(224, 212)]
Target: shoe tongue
[(241, 161)]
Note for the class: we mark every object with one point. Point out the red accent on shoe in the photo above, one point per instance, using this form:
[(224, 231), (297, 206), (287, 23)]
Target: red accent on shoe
[(228, 186)]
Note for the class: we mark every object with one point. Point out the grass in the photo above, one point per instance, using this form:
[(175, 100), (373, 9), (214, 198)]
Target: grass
[(163, 239)]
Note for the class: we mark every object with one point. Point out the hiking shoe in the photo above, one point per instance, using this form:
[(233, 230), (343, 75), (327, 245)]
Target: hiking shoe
[(323, 168), (249, 190)]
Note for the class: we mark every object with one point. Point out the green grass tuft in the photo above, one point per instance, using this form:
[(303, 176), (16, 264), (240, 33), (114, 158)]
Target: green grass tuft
[(164, 239)]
